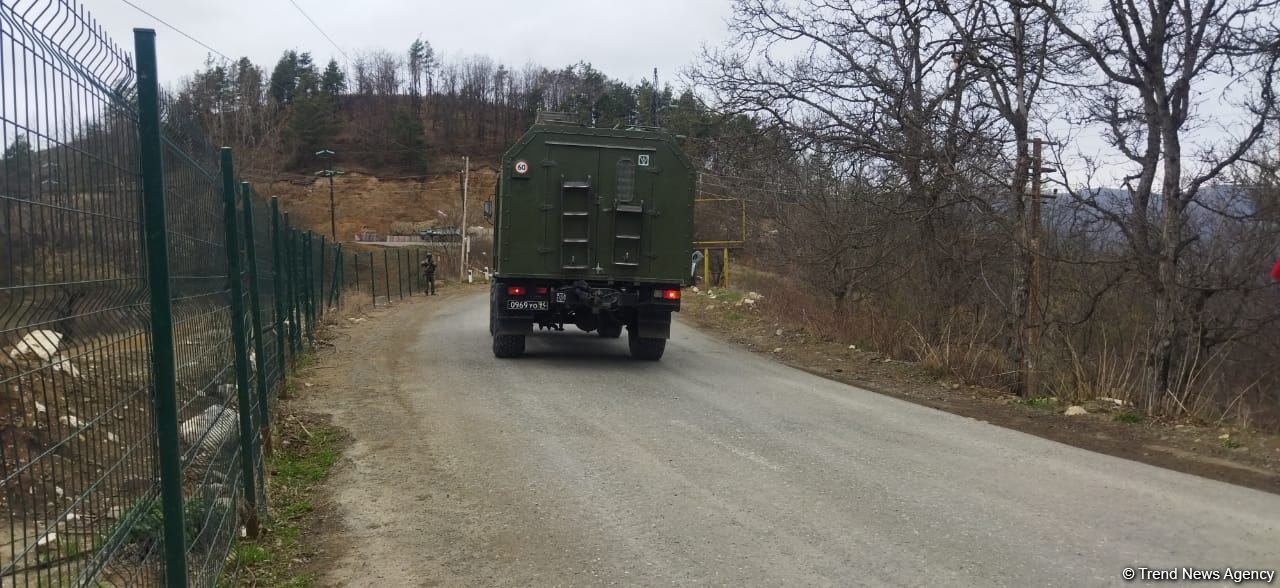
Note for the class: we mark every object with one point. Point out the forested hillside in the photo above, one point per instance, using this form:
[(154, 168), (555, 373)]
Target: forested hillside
[(409, 113), (400, 124)]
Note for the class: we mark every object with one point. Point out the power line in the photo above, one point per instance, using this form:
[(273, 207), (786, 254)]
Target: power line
[(210, 47), (178, 30), (324, 34), (175, 29)]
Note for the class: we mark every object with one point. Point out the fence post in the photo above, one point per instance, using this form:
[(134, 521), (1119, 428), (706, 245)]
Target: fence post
[(244, 405), (338, 278), (373, 282), (399, 275), (164, 370), (417, 272), (304, 282), (386, 272), (255, 309), (277, 278), (295, 316), (309, 303), (313, 310), (300, 282), (707, 268), (312, 307), (355, 275), (724, 271), (324, 250)]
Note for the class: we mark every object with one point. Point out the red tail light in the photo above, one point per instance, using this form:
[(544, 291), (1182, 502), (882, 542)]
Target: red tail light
[(515, 291), (670, 294), (541, 290)]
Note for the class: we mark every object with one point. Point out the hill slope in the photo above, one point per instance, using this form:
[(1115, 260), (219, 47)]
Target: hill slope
[(365, 201)]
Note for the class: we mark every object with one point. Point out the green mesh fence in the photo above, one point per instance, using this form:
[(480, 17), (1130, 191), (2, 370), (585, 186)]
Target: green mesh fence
[(115, 472)]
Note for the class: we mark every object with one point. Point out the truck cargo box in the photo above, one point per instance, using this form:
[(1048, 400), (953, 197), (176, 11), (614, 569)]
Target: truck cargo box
[(613, 205)]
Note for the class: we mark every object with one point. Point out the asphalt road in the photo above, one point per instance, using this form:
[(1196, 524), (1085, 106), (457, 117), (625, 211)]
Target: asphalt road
[(576, 465)]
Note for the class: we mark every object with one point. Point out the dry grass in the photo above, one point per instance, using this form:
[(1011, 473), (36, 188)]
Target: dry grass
[(1106, 375), (818, 317), (967, 349), (1119, 373), (963, 353)]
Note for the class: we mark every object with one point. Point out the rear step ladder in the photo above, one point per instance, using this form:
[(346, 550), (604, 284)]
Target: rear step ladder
[(628, 224), (628, 217), (575, 224)]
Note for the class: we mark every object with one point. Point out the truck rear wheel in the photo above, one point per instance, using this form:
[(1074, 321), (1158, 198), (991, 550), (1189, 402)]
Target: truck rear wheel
[(646, 348), (609, 330), (508, 345)]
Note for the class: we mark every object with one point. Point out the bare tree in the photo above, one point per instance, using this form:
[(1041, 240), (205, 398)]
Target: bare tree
[(881, 80), (1014, 50), (1149, 63), (386, 67), (362, 71), (477, 92)]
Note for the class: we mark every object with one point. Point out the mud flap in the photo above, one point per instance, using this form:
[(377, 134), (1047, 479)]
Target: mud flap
[(511, 326), (653, 325)]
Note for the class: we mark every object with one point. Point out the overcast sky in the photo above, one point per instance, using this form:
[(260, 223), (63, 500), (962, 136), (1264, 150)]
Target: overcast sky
[(625, 39)]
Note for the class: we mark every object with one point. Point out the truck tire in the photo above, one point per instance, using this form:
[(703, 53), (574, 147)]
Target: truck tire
[(609, 330), (646, 348), (508, 345)]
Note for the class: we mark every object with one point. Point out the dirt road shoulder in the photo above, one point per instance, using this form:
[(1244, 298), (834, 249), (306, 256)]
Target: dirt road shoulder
[(356, 384)]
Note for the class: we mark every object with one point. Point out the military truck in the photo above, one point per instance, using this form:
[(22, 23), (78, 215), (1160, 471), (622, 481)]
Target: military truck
[(441, 234), (593, 228)]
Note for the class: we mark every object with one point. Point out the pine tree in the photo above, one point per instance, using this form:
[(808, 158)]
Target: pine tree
[(407, 137), (333, 81), (248, 83), (308, 78), (284, 78), (312, 125), (416, 55)]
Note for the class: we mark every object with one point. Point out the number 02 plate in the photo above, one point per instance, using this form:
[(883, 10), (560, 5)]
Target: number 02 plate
[(526, 305)]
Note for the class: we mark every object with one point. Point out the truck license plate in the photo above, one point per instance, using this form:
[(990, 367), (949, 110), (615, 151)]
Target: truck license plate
[(526, 305)]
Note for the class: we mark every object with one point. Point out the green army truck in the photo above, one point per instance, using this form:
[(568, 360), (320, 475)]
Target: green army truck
[(593, 228)]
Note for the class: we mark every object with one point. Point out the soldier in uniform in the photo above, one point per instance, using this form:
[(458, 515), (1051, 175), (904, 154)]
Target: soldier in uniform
[(429, 275)]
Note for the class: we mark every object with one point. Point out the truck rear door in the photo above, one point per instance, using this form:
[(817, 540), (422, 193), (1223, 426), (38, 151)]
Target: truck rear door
[(604, 193)]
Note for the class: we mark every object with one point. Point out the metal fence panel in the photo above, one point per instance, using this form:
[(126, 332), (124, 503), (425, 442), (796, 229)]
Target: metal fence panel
[(77, 440), (84, 411)]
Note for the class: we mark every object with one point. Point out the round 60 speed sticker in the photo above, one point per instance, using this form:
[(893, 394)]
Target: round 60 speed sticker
[(522, 167)]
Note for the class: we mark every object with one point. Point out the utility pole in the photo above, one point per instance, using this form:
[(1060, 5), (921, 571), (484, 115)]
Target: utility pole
[(1031, 350), (653, 99), (466, 172), (327, 155)]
